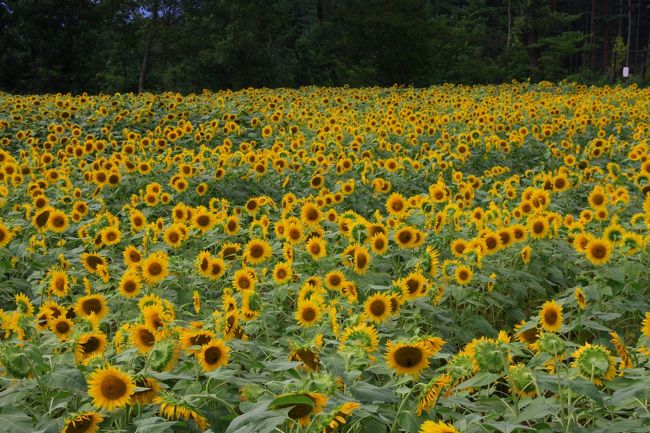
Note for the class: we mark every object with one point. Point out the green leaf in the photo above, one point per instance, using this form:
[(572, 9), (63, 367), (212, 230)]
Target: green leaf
[(481, 379), (370, 393), (15, 422), (258, 420), (292, 400), (150, 424)]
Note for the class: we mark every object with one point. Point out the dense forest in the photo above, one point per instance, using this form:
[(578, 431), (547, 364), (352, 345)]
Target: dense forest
[(189, 45)]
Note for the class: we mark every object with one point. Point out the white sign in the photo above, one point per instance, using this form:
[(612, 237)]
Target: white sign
[(626, 71)]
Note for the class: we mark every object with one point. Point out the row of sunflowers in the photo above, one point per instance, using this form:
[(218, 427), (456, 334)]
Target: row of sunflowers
[(441, 260)]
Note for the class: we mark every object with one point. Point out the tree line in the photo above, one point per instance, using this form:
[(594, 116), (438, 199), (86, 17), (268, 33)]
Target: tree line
[(189, 45)]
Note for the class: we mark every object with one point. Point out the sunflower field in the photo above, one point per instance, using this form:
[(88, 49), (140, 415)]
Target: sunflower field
[(451, 259)]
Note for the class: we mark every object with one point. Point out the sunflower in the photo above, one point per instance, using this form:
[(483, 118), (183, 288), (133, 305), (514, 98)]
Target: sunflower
[(362, 335), (86, 422), (595, 363), (62, 327), (59, 283), (362, 260), (526, 254), (317, 248), (213, 355), (203, 219), (529, 335), (302, 411), (521, 380), (282, 272), (92, 304), (173, 408), (155, 316), (173, 235), (645, 329), (195, 337), (132, 256), (147, 395), (599, 251), (463, 275), (57, 221), (90, 261), (89, 344), (110, 388), (137, 219), (377, 307), (538, 226), (406, 237), (110, 235), (257, 251), (550, 317), (310, 214), (458, 247), (155, 267), (396, 205), (5, 235), (339, 416), (244, 279), (407, 358), (130, 284), (308, 313), (431, 393), (581, 298), (379, 243), (294, 233), (143, 337), (414, 285), (232, 226), (335, 280)]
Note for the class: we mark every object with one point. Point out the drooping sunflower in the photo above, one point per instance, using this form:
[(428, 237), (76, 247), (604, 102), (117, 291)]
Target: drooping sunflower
[(86, 422), (339, 416), (213, 355), (94, 303), (377, 307), (257, 251), (302, 411), (407, 358), (361, 335), (599, 251), (432, 392), (308, 313), (110, 388), (550, 317), (595, 363), (155, 267), (173, 408), (147, 395)]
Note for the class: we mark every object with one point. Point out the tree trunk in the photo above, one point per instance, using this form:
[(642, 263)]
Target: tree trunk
[(509, 24), (606, 35), (147, 46), (530, 36), (629, 31), (319, 10)]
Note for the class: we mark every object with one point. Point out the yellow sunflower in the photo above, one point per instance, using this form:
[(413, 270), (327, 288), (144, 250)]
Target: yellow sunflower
[(257, 251), (308, 313), (89, 344), (86, 422), (599, 251), (550, 317), (110, 388), (437, 427), (407, 358), (143, 337), (213, 355), (130, 284), (92, 304), (5, 235), (377, 307), (155, 267)]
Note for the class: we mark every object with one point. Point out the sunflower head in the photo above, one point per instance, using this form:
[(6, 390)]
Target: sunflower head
[(595, 362), (213, 355), (407, 358), (86, 422), (550, 317), (110, 388), (521, 380)]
